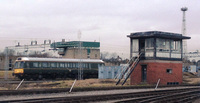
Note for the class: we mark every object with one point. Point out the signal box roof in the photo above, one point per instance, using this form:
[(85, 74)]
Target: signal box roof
[(157, 34)]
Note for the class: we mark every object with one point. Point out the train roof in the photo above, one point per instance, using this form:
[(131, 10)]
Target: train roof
[(58, 60)]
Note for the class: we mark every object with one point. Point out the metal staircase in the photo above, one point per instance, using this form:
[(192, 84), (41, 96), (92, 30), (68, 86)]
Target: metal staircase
[(125, 74)]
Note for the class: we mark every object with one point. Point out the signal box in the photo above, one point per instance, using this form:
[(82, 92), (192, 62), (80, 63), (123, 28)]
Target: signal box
[(161, 57)]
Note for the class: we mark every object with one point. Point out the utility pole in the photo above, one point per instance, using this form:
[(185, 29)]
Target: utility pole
[(6, 64), (80, 70)]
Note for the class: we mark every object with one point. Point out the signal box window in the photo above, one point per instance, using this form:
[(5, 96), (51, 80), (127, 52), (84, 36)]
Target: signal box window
[(169, 71)]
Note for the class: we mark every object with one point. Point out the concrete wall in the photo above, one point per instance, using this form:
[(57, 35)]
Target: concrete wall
[(156, 69), (10, 62)]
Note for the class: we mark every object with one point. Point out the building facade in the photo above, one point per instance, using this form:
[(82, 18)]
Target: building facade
[(160, 57), (78, 49)]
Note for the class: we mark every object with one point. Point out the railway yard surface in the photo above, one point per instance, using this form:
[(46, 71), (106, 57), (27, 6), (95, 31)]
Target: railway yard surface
[(97, 90), (117, 95)]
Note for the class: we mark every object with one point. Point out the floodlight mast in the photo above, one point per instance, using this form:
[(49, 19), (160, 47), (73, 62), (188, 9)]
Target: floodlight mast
[(184, 9)]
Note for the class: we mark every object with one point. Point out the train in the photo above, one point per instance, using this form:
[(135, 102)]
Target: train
[(51, 68)]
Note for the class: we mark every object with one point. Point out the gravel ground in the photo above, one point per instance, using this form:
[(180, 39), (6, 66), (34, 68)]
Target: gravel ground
[(66, 94), (197, 101)]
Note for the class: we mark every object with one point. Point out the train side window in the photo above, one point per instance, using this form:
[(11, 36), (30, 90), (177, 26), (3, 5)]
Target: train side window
[(62, 65), (77, 65), (83, 65), (89, 65), (48, 65), (74, 65), (94, 65), (53, 65), (31, 64), (66, 65), (70, 65), (35, 64), (44, 65), (39, 64), (57, 65), (26, 65)]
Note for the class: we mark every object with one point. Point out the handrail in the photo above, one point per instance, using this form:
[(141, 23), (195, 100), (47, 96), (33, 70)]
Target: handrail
[(129, 69)]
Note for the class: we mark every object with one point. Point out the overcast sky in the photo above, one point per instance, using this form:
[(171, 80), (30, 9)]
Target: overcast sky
[(107, 21)]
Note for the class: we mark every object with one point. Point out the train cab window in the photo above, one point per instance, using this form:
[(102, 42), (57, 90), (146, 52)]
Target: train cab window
[(17, 65), (21, 64)]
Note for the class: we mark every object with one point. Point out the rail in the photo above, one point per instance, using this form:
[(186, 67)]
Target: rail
[(173, 95)]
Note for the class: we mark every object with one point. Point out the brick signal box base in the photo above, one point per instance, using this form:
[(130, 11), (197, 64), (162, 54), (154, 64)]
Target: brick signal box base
[(150, 71)]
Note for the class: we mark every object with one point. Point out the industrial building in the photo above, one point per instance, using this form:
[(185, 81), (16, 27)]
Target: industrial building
[(161, 55), (78, 49)]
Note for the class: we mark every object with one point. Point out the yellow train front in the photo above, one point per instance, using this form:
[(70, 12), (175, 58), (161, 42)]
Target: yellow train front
[(52, 68)]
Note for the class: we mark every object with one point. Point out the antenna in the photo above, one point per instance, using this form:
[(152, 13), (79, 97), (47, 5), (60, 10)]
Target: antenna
[(184, 9)]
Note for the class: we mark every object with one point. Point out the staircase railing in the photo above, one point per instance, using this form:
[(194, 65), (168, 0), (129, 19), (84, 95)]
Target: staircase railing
[(127, 72)]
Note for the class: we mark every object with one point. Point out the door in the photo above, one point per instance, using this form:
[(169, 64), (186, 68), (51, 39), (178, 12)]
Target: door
[(144, 73)]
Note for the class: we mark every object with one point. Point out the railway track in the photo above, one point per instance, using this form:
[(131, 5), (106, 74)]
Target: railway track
[(184, 95), (57, 90)]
